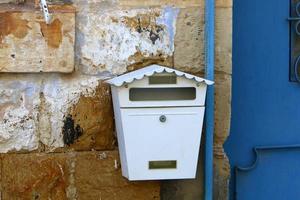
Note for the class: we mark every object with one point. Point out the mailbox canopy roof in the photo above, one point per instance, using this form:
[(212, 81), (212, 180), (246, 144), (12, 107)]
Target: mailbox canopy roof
[(149, 71)]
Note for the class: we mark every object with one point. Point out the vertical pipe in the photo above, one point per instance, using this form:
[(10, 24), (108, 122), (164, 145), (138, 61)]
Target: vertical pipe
[(209, 118)]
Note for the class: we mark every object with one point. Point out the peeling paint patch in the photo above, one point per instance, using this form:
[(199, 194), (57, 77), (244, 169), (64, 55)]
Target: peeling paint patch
[(169, 18), (28, 45), (109, 39), (11, 23), (18, 115), (146, 24), (52, 33), (17, 130), (44, 120)]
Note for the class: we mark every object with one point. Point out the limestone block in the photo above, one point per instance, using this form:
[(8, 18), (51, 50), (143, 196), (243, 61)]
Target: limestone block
[(27, 44), (221, 178), (94, 116), (222, 107), (34, 176), (223, 47), (12, 1), (74, 175), (98, 176), (19, 100), (224, 3), (110, 39), (223, 62), (189, 40)]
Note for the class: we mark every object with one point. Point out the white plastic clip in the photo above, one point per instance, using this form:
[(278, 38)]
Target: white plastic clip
[(45, 9)]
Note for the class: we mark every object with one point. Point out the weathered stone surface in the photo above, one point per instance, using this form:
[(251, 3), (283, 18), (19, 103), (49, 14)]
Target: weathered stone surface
[(62, 94), (34, 176), (27, 44), (12, 1), (222, 128), (221, 178), (94, 115), (18, 116), (223, 61), (110, 39), (80, 175), (98, 176), (177, 3), (33, 110), (189, 40), (222, 107), (223, 47)]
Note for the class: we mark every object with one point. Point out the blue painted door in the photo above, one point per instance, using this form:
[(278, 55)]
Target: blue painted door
[(264, 142)]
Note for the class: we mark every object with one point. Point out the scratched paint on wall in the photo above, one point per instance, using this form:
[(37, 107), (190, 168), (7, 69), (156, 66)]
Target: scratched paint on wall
[(115, 39)]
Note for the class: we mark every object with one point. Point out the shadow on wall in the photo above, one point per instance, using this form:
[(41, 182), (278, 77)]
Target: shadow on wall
[(186, 189)]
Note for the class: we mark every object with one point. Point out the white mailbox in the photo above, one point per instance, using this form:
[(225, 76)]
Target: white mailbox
[(159, 115)]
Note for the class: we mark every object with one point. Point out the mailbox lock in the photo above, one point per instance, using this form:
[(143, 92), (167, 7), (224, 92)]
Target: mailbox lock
[(163, 118)]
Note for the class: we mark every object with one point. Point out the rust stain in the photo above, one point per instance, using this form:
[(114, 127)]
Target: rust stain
[(52, 33), (48, 181), (11, 23)]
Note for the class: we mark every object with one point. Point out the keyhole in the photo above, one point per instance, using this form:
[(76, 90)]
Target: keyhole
[(163, 118)]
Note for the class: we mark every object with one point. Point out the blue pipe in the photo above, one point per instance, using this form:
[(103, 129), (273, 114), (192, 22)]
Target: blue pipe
[(209, 116)]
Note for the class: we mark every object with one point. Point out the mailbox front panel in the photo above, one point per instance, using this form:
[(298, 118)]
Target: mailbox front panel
[(161, 143)]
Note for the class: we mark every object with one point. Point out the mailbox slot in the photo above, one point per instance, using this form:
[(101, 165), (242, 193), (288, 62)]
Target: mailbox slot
[(162, 94)]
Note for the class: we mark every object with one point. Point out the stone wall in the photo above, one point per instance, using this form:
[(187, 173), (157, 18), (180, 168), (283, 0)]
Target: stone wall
[(57, 130)]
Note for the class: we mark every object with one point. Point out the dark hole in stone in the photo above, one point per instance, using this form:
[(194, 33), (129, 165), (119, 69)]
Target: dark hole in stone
[(159, 29), (153, 37), (139, 28), (71, 132), (35, 195), (40, 61), (13, 55)]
